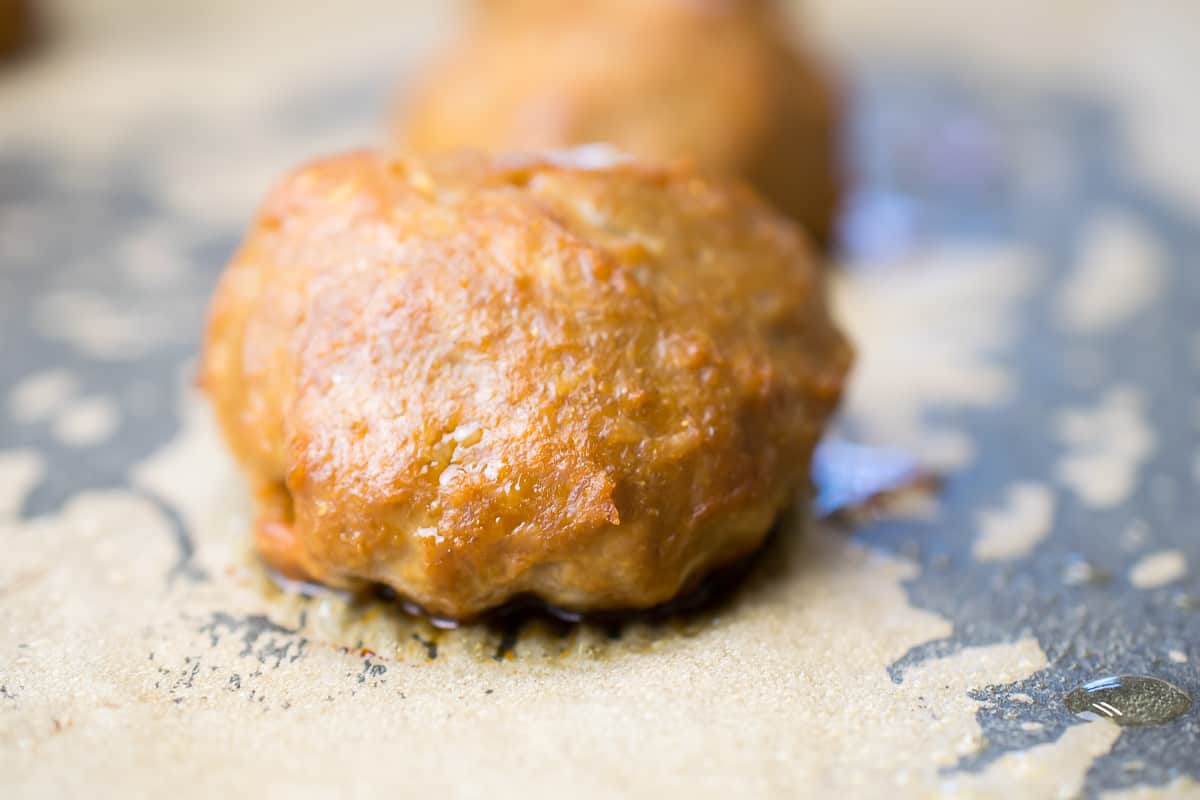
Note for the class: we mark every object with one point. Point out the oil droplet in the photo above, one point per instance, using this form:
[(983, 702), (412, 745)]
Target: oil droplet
[(1129, 700), (305, 588)]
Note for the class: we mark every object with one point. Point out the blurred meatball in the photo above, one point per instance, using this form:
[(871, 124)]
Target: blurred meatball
[(14, 25), (714, 80), (574, 376)]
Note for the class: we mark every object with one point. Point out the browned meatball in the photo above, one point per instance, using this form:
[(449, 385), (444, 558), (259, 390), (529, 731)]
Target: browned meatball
[(714, 80), (14, 25), (576, 377)]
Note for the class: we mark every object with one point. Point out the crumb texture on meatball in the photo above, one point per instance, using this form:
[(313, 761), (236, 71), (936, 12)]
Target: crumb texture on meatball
[(579, 378), (718, 81)]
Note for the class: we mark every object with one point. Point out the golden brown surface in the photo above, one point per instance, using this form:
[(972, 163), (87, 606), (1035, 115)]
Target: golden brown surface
[(714, 80), (580, 378)]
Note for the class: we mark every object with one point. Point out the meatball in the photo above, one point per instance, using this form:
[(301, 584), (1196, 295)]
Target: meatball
[(14, 25), (714, 80), (572, 376)]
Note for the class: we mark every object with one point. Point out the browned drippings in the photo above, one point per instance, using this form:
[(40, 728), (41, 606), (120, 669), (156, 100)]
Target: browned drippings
[(888, 502), (530, 625), (500, 634)]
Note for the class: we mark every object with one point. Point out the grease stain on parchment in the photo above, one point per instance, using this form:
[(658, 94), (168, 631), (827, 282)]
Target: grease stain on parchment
[(196, 476), (1183, 786), (259, 681), (225, 691), (1058, 769)]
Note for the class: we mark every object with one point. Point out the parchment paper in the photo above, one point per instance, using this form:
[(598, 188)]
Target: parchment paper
[(1021, 279)]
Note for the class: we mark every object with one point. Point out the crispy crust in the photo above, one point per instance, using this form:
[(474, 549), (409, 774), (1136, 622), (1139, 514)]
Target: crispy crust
[(576, 377), (717, 81)]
